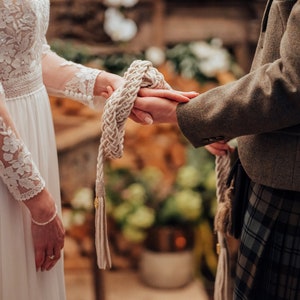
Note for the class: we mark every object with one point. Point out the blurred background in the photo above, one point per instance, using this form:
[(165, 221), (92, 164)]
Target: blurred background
[(161, 196)]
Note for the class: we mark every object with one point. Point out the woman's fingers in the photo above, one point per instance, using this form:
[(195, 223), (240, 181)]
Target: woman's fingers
[(173, 95), (52, 257), (48, 241), (108, 92), (140, 116), (167, 94)]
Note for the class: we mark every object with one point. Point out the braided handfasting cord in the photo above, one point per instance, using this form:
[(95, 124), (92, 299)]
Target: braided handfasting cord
[(116, 111), (222, 281)]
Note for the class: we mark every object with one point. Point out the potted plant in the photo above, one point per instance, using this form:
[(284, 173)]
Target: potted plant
[(162, 217)]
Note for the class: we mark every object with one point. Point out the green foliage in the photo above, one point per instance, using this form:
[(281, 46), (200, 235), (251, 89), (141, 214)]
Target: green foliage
[(200, 60), (70, 51), (119, 63), (139, 199)]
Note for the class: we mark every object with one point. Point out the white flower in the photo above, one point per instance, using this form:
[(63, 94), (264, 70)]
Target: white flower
[(152, 177), (83, 199), (188, 177), (126, 31), (133, 234), (71, 218), (112, 17), (129, 3), (156, 55), (189, 204), (210, 180), (212, 57), (217, 62), (143, 217), (117, 3), (78, 218), (217, 42), (135, 193), (67, 216), (121, 211), (201, 49), (187, 68), (117, 27)]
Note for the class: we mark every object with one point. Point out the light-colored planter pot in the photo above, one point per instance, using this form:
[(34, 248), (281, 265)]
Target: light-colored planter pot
[(167, 259), (166, 269)]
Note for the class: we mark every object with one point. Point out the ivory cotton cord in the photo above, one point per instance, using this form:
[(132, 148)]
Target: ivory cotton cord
[(117, 109)]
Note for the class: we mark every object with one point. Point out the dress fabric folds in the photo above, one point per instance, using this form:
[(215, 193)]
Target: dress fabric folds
[(22, 35), (19, 278)]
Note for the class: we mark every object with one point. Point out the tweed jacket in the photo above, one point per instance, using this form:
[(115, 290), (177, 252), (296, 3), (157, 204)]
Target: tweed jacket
[(261, 109)]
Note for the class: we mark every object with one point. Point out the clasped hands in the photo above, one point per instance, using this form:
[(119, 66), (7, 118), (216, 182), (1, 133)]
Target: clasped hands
[(159, 106), (153, 106)]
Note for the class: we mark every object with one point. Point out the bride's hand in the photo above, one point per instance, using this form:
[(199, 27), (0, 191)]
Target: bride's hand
[(48, 239), (106, 83)]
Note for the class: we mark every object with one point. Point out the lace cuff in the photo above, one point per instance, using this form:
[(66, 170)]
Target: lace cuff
[(17, 169), (81, 86), (75, 81)]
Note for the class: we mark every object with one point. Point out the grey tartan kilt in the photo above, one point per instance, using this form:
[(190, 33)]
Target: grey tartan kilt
[(268, 265)]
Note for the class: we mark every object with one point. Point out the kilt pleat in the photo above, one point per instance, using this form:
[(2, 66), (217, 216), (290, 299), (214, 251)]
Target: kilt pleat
[(268, 265)]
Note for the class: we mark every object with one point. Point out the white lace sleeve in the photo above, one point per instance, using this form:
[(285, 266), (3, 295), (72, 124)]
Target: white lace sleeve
[(67, 79), (17, 170)]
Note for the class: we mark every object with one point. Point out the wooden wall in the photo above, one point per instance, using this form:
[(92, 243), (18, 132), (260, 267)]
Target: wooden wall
[(163, 22)]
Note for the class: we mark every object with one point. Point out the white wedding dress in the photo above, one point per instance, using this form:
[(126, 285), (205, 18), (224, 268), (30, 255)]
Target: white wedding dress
[(28, 72)]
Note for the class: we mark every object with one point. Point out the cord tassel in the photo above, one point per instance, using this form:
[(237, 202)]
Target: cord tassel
[(102, 245), (101, 236), (222, 282)]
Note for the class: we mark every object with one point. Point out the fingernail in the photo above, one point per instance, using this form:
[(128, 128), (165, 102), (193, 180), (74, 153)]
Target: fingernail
[(148, 120)]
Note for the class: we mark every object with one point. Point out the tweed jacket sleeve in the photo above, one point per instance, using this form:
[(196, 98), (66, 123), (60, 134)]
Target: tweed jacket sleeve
[(265, 100)]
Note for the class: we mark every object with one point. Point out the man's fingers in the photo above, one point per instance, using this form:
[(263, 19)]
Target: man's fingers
[(219, 148), (215, 151)]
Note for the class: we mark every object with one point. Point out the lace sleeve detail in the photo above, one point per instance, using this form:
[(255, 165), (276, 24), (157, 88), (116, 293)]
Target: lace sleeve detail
[(17, 169), (81, 86), (75, 81)]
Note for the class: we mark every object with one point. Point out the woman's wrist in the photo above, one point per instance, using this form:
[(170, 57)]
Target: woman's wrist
[(105, 79), (46, 222), (42, 207), (100, 86)]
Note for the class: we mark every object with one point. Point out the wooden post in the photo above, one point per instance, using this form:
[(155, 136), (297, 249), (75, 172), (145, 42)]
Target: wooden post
[(158, 23)]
